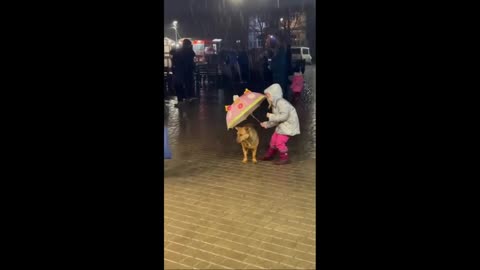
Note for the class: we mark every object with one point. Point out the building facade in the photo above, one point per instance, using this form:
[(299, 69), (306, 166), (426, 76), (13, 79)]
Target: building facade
[(292, 24)]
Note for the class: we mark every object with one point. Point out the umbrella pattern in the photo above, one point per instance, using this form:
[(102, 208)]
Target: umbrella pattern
[(242, 107)]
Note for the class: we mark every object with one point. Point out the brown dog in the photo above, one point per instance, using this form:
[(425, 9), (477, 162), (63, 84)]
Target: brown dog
[(247, 136)]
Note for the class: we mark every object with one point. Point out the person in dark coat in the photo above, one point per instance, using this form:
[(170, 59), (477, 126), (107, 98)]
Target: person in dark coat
[(185, 67), (232, 62), (267, 73), (188, 56), (173, 82), (279, 66), (243, 62), (290, 70)]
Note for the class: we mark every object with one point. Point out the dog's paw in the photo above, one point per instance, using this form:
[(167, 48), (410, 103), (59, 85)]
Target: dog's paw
[(244, 161), (254, 161)]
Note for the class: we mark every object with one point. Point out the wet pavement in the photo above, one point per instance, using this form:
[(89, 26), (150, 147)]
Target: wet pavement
[(202, 122), (222, 214)]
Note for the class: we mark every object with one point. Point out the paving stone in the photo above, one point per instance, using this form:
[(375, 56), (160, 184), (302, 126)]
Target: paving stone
[(304, 256), (173, 256), (202, 265), (234, 264), (173, 265), (222, 214), (262, 263), (305, 248), (305, 265)]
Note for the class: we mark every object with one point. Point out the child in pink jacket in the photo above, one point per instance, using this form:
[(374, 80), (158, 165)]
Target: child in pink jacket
[(297, 85)]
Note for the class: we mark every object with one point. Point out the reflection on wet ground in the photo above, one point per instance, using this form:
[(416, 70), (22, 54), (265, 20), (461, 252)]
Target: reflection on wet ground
[(222, 214), (201, 124)]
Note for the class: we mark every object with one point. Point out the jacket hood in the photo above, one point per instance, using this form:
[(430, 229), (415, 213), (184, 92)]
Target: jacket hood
[(275, 90)]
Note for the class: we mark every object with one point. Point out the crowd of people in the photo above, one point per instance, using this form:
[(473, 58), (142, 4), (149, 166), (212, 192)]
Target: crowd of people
[(271, 65), (261, 67), (280, 68)]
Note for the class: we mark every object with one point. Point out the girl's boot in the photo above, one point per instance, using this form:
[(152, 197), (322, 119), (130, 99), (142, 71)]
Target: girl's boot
[(270, 154), (283, 159)]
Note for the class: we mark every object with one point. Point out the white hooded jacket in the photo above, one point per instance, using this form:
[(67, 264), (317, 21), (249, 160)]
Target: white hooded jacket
[(284, 114)]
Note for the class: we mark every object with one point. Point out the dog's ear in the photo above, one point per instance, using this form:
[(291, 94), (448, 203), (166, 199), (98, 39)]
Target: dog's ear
[(247, 128)]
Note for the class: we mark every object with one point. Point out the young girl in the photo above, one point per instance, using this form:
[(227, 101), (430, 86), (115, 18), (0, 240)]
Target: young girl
[(285, 118), (297, 85)]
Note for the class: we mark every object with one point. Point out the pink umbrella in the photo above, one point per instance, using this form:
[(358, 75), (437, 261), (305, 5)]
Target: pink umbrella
[(242, 107)]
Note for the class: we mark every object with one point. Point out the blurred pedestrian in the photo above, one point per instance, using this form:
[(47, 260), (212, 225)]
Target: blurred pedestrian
[(224, 68), (234, 65), (297, 85), (279, 65), (267, 72), (253, 66), (185, 67), (290, 70), (173, 57), (188, 56), (244, 66), (173, 80)]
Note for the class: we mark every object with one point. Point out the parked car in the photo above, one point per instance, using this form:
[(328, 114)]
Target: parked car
[(301, 54), (300, 57)]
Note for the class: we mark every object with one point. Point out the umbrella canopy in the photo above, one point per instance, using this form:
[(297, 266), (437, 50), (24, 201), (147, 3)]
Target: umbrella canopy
[(242, 107)]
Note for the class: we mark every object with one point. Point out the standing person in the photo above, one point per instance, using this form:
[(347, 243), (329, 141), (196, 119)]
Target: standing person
[(285, 118), (234, 66), (232, 70), (188, 56), (178, 76), (174, 84), (251, 65), (289, 70), (289, 61), (173, 56), (243, 62), (279, 65), (267, 73), (184, 69), (297, 85)]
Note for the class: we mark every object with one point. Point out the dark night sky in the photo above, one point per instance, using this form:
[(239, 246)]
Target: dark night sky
[(196, 18), (178, 7)]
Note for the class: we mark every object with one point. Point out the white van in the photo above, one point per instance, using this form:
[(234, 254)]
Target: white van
[(301, 54)]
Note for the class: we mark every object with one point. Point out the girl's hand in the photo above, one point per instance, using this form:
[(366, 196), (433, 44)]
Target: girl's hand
[(263, 124), (268, 115)]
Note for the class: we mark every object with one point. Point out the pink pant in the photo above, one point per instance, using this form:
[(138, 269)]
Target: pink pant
[(279, 142)]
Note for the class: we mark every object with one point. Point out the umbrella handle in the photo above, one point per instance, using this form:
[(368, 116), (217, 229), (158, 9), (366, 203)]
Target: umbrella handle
[(255, 118)]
